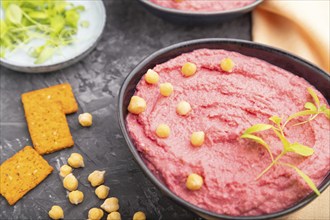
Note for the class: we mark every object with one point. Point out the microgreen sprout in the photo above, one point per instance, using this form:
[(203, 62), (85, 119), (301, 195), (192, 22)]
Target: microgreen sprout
[(54, 22), (277, 126)]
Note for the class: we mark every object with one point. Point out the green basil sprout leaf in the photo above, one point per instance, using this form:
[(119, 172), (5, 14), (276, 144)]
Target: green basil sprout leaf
[(285, 142), (301, 113), (259, 140), (277, 120), (257, 128), (3, 28), (5, 4), (72, 17), (57, 23), (14, 14), (306, 178), (314, 95), (301, 149), (310, 106), (35, 52), (45, 54), (38, 15), (327, 113), (59, 7)]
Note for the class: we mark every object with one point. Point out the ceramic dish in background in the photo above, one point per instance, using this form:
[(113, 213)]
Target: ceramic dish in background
[(293, 64), (193, 17), (87, 39)]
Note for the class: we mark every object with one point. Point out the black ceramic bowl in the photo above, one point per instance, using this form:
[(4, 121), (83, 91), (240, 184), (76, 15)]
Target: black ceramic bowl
[(191, 17), (293, 64)]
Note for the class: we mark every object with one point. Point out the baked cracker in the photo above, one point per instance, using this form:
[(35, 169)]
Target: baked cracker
[(21, 173), (48, 126), (59, 93)]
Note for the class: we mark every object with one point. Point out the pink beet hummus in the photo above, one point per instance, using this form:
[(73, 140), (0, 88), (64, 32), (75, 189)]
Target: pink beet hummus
[(223, 106), (203, 5)]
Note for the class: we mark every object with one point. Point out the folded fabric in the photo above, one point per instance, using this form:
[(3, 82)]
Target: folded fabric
[(300, 27)]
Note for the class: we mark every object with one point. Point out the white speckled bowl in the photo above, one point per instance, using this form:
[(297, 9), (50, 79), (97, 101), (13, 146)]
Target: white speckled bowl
[(87, 38)]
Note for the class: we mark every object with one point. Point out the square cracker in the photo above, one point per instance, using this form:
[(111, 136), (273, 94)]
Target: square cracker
[(59, 93), (48, 127), (21, 173)]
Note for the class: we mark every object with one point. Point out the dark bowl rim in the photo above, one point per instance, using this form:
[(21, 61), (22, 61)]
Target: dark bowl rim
[(162, 186), (203, 13)]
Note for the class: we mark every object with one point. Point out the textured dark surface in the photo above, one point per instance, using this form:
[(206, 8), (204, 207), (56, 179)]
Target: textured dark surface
[(130, 35)]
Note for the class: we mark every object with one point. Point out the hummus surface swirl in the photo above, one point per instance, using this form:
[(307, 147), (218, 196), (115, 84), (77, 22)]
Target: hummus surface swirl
[(223, 106)]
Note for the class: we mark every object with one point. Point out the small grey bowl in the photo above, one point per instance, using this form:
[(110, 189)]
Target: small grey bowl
[(87, 40), (193, 17)]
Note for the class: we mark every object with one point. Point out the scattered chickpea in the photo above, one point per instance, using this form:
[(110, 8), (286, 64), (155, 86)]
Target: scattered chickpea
[(166, 89), (65, 170), (197, 138), (56, 212), (137, 105), (76, 197), (76, 160), (95, 214), (163, 131), (85, 119), (114, 216), (151, 77), (189, 69), (183, 108), (194, 182), (227, 64), (70, 182), (96, 178), (139, 216), (110, 205), (102, 191)]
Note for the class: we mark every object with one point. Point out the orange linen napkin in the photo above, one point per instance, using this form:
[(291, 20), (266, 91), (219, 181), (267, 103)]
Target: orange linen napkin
[(301, 27)]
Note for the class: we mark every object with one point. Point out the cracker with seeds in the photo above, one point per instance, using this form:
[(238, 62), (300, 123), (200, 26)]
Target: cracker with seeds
[(45, 111), (48, 127), (59, 93), (21, 173)]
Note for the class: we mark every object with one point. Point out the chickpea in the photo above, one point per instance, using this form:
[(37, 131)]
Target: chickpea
[(151, 77), (166, 89), (114, 216), (95, 214), (102, 191), (65, 170), (137, 105), (189, 69), (56, 212), (194, 182), (227, 64), (76, 160), (96, 178), (85, 119), (197, 138), (163, 131), (110, 205), (76, 197), (70, 182), (139, 216), (183, 108)]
